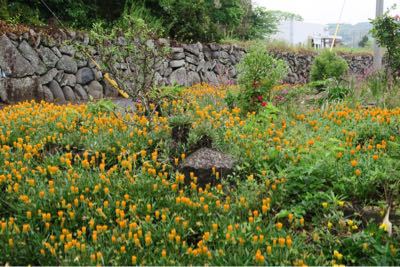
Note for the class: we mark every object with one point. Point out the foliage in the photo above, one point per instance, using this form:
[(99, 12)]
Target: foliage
[(170, 93), (87, 188), (183, 20), (4, 9), (386, 31), (101, 106), (378, 88), (130, 56), (77, 13), (258, 74), (328, 65), (364, 41), (212, 20)]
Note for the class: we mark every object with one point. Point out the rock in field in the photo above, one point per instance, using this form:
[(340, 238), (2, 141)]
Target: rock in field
[(202, 162)]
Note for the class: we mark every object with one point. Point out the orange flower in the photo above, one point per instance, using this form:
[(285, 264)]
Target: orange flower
[(354, 163)]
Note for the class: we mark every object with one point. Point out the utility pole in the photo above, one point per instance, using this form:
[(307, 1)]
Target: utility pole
[(377, 50)]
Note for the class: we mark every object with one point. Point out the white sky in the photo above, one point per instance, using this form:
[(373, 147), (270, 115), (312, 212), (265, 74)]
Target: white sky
[(328, 11)]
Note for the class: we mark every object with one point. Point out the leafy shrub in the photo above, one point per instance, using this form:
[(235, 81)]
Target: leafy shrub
[(101, 106), (328, 65), (135, 51), (337, 90), (258, 73), (386, 30), (231, 99)]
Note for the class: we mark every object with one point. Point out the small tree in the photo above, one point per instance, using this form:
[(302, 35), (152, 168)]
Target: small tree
[(131, 56), (259, 72), (386, 31), (328, 65), (364, 41)]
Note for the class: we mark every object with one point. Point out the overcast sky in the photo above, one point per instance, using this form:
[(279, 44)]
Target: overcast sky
[(328, 11)]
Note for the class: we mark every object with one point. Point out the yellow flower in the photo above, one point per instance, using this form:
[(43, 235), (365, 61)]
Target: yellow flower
[(134, 260), (337, 255)]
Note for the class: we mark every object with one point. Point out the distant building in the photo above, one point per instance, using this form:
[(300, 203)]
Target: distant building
[(305, 34), (324, 41)]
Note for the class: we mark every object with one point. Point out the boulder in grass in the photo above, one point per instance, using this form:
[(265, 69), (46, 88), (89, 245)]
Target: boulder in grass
[(201, 164)]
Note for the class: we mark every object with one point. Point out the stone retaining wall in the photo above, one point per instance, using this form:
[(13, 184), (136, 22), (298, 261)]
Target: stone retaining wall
[(300, 64), (36, 66)]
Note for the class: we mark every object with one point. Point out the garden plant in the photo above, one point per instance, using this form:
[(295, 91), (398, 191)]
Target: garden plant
[(83, 187)]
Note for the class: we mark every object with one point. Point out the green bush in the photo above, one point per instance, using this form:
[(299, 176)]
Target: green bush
[(328, 65), (386, 31), (259, 72)]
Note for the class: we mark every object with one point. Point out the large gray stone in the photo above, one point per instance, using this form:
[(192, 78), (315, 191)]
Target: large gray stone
[(192, 60), (11, 60), (177, 63), (80, 92), (167, 72), (191, 67), (56, 52), (95, 90), (163, 68), (69, 94), (21, 89), (48, 77), (209, 77), (67, 64), (201, 164), (68, 80), (179, 77), (68, 50), (193, 78), (110, 91), (48, 57), (30, 54), (220, 69), (81, 63), (45, 93), (201, 66), (60, 76), (192, 48), (57, 92), (84, 76), (178, 56), (177, 50)]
